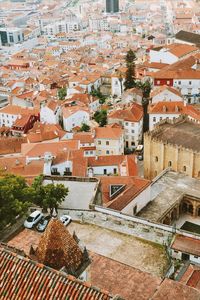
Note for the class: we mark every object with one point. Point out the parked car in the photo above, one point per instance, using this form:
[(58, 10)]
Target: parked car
[(65, 219), (33, 219), (41, 226)]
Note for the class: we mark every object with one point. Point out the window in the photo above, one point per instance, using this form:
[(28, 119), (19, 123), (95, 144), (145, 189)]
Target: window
[(169, 163), (86, 152), (104, 171), (132, 131), (154, 119), (107, 152), (156, 158), (175, 251), (184, 168), (126, 123), (107, 142), (160, 118), (91, 152), (190, 82), (135, 210), (196, 256), (115, 171), (11, 38), (99, 142), (179, 82)]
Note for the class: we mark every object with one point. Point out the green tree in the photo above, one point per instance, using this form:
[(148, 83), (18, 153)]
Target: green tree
[(85, 127), (15, 198), (130, 72), (62, 93), (146, 88), (97, 93), (50, 195), (101, 117)]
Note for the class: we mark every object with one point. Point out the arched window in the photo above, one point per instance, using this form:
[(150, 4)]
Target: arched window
[(156, 158), (184, 168), (169, 163)]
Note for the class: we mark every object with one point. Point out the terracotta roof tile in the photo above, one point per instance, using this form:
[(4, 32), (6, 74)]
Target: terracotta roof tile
[(84, 137), (57, 248), (108, 132), (134, 113), (162, 88), (186, 245), (30, 280), (130, 283), (170, 289), (133, 186)]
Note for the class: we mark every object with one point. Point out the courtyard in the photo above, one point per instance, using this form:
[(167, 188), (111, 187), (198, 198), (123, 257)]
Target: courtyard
[(132, 251)]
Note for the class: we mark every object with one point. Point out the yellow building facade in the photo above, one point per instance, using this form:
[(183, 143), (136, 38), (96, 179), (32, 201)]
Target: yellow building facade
[(161, 150)]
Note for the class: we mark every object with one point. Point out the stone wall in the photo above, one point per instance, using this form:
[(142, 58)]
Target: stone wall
[(159, 155)]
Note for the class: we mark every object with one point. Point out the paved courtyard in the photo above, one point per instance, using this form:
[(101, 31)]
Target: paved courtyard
[(129, 250)]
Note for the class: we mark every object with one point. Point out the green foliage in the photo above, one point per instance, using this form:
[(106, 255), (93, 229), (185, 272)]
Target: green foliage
[(62, 93), (101, 117), (15, 198), (85, 127), (97, 93), (50, 195), (146, 88), (130, 73)]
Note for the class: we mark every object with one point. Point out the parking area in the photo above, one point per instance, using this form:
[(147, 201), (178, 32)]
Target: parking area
[(127, 249)]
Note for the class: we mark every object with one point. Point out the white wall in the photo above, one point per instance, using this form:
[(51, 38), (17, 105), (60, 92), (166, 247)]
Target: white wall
[(188, 86), (178, 255), (47, 116), (160, 117), (115, 147), (162, 57), (133, 132), (166, 95), (77, 119), (116, 86), (7, 119), (62, 166), (109, 169), (140, 201)]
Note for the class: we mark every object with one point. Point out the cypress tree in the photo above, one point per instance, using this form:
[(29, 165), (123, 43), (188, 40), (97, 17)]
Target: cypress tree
[(130, 72)]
